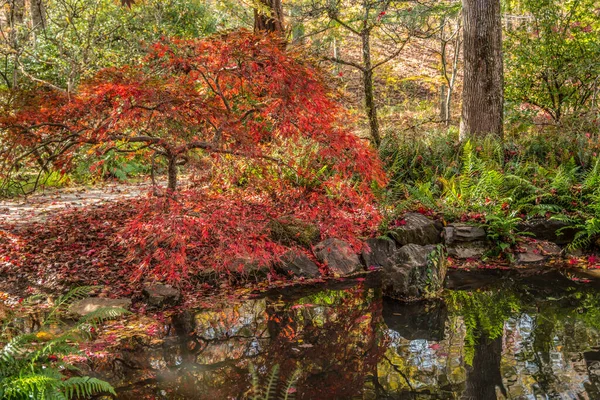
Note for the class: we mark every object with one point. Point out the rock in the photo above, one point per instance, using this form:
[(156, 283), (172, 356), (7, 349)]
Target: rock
[(465, 241), (537, 252), (86, 306), (464, 251), (245, 268), (419, 272), (547, 229), (158, 295), (298, 264), (418, 229), (381, 252), (339, 257), (549, 249), (462, 233)]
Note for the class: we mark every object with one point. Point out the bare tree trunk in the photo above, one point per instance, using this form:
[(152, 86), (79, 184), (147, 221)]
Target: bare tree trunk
[(270, 17), (15, 14), (38, 14), (369, 90), (172, 174), (483, 94)]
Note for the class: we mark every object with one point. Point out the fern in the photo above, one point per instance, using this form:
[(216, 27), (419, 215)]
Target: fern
[(29, 363), (84, 386), (270, 390), (101, 315)]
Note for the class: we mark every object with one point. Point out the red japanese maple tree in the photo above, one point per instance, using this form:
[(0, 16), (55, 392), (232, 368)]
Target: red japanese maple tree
[(271, 139)]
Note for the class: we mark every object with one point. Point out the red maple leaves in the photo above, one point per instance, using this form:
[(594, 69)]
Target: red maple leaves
[(260, 124)]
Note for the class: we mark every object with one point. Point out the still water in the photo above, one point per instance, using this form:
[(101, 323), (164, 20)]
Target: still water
[(512, 339)]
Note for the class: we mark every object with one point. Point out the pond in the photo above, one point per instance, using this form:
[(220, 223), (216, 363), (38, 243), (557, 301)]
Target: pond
[(512, 339)]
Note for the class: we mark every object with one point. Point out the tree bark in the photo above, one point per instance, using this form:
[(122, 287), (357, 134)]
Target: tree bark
[(38, 14), (269, 18), (172, 174), (483, 91), (369, 90)]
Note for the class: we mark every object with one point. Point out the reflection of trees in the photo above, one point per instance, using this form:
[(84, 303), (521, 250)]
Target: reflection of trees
[(483, 377), (333, 336), (339, 340)]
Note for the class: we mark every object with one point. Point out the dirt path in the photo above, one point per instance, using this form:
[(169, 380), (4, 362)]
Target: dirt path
[(39, 206)]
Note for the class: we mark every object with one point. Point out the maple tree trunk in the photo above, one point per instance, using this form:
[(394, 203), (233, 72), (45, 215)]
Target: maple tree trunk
[(483, 97), (270, 17), (370, 105), (172, 174)]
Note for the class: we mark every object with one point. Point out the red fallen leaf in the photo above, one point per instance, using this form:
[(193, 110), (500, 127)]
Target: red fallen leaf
[(434, 346), (360, 279)]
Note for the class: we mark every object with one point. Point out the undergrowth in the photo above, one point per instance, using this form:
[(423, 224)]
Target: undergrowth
[(496, 184), (36, 364)]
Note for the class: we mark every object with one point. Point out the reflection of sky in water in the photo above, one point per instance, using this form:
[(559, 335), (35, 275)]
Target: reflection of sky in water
[(423, 356), (527, 372)]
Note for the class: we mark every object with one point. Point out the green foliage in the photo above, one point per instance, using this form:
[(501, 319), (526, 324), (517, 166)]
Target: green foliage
[(484, 313), (32, 365), (81, 37), (553, 58), (270, 390), (498, 184)]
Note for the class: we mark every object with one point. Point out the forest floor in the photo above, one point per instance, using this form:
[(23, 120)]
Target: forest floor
[(39, 206)]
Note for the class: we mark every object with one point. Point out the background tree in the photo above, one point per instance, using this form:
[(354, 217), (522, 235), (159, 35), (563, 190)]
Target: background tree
[(268, 17), (483, 87), (391, 24), (553, 60)]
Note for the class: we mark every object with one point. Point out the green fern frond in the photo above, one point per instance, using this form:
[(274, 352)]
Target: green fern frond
[(271, 391), (288, 393), (85, 387), (63, 302), (102, 315)]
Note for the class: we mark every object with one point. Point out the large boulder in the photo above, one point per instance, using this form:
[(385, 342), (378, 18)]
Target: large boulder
[(379, 252), (465, 241), (158, 295), (89, 305), (419, 272), (548, 229), (339, 257), (416, 229), (298, 264)]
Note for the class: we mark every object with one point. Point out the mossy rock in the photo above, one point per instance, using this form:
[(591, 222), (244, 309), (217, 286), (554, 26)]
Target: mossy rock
[(293, 232)]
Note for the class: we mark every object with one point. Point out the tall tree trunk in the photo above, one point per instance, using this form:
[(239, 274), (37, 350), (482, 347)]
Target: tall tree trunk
[(269, 18), (38, 14), (368, 87), (15, 14), (483, 92)]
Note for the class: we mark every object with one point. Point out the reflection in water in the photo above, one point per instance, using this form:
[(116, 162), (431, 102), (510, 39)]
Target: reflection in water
[(510, 342)]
